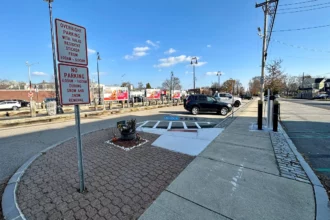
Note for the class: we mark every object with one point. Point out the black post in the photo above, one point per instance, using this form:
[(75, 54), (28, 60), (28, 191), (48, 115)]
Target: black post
[(260, 115), (275, 116)]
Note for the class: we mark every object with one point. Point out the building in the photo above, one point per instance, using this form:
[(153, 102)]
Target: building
[(327, 86), (311, 87)]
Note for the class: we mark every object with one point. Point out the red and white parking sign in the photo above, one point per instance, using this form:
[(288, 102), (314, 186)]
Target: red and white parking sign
[(71, 43), (74, 84)]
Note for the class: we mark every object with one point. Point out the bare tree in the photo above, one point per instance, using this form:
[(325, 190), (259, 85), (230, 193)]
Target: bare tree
[(140, 85), (254, 85), (275, 79), (172, 85)]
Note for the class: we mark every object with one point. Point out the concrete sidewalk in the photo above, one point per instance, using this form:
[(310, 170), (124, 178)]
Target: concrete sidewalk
[(240, 175)]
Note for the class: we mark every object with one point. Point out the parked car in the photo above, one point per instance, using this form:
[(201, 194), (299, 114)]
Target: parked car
[(9, 104), (321, 96), (49, 100), (204, 103), (136, 99), (228, 98), (246, 96), (22, 102)]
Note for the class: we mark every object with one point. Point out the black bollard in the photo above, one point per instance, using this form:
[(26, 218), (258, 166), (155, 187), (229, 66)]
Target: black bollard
[(275, 116), (259, 115)]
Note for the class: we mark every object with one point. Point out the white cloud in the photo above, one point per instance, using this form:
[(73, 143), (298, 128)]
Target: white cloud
[(159, 70), (153, 43), (171, 61), (213, 73), (201, 63), (39, 74), (91, 51), (170, 51), (137, 52), (187, 72), (209, 45)]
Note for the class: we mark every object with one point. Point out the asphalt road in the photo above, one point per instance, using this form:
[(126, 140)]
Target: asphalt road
[(308, 125), (18, 144), (314, 103)]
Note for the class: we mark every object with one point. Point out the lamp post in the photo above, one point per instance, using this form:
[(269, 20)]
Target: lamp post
[(58, 104), (219, 74), (29, 67), (98, 76), (194, 63), (171, 86)]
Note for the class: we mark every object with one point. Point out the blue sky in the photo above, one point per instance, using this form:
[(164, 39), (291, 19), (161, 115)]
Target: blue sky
[(133, 37)]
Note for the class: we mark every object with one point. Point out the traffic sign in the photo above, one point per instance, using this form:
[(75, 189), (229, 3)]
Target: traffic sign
[(71, 43), (74, 84), (30, 94)]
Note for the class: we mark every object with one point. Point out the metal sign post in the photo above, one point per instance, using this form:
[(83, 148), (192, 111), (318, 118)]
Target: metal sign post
[(79, 150)]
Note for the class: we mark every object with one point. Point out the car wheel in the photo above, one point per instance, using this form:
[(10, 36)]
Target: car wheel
[(15, 108), (195, 110), (237, 104), (224, 111)]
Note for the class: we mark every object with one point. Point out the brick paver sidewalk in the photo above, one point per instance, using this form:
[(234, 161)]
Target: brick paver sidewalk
[(121, 185)]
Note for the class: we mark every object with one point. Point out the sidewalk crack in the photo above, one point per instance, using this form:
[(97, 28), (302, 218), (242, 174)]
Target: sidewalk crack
[(198, 204)]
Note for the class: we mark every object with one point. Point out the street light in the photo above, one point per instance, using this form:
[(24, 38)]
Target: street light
[(98, 75), (29, 66), (58, 105), (219, 73), (171, 86), (194, 63)]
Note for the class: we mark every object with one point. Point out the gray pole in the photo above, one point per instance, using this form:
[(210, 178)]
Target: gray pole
[(98, 76), (79, 150), (262, 81), (194, 77), (58, 109)]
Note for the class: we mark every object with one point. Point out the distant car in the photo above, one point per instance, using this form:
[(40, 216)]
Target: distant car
[(136, 99), (228, 98), (49, 100), (246, 96), (277, 96), (9, 104), (23, 102), (203, 103), (321, 96)]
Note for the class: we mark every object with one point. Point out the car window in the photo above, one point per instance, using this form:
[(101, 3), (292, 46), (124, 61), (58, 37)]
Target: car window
[(222, 95), (202, 98), (210, 99)]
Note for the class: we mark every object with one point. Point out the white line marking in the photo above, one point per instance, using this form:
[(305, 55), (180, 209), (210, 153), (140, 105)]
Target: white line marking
[(169, 125), (155, 126), (184, 125), (143, 124), (199, 127)]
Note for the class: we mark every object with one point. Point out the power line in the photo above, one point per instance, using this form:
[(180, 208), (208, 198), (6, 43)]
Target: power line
[(298, 3), (289, 12), (307, 6), (301, 47), (300, 29), (273, 15)]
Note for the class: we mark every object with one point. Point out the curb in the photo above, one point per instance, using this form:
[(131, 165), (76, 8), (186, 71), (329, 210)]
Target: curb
[(237, 111), (41, 119), (10, 208), (322, 205)]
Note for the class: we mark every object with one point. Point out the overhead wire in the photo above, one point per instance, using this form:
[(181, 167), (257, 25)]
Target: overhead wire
[(298, 3), (301, 47), (306, 6), (290, 12), (300, 29)]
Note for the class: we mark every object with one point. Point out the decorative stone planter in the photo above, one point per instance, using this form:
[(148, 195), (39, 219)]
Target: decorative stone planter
[(128, 135)]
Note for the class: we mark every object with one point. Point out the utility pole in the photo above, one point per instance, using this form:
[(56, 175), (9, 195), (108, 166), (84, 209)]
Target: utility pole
[(264, 52), (193, 64), (171, 86), (219, 74), (98, 76), (59, 109)]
